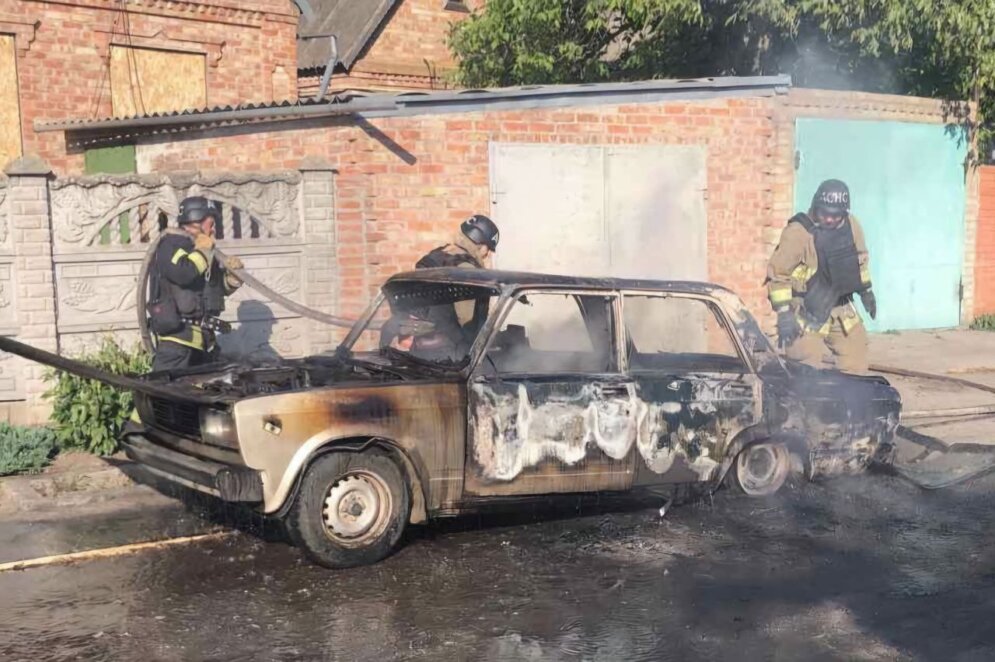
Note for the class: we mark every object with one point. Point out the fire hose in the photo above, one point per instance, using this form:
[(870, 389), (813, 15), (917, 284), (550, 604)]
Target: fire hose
[(148, 340)]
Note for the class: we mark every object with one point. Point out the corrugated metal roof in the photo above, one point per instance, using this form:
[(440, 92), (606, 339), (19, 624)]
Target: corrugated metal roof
[(352, 22), (413, 103)]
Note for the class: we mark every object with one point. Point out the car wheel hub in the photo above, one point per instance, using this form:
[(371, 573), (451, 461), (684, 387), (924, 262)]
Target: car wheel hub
[(356, 507)]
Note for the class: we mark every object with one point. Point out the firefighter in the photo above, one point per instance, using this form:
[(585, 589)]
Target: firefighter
[(819, 264), (188, 286), (477, 238)]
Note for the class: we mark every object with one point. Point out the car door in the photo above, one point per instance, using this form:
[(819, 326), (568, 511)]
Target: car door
[(690, 373), (549, 408)]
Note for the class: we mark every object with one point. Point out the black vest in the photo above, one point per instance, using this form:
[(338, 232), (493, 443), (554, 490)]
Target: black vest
[(203, 298), (439, 257), (838, 276)]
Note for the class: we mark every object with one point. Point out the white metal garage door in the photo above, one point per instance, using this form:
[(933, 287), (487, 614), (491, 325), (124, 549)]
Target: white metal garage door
[(590, 210)]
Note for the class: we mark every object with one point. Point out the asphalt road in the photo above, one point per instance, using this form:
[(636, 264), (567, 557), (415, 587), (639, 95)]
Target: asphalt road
[(862, 568)]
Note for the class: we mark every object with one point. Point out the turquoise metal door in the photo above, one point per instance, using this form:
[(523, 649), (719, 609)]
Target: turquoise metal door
[(907, 189)]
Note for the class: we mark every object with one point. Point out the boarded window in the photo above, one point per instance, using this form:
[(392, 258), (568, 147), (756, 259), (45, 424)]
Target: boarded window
[(147, 81), (10, 112)]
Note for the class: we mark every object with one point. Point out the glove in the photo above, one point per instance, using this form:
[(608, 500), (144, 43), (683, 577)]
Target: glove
[(870, 303), (204, 243), (234, 263), (788, 329)]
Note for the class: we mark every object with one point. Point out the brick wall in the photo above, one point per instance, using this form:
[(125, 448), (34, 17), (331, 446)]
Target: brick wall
[(63, 54), (984, 267), (399, 196), (408, 52)]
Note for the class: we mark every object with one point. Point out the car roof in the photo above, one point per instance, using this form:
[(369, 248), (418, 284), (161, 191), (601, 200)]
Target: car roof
[(516, 279)]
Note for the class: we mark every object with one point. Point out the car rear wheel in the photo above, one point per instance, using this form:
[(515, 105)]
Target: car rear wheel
[(351, 509), (761, 469)]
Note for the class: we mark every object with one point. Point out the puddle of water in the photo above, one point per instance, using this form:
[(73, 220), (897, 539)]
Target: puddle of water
[(836, 570)]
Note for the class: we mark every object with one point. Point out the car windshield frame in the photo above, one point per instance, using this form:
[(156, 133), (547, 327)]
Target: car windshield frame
[(368, 323)]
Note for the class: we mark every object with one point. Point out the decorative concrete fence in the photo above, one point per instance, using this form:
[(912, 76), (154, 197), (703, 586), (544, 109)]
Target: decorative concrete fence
[(71, 250)]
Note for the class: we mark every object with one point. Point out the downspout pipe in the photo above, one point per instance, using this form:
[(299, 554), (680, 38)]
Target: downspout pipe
[(326, 78)]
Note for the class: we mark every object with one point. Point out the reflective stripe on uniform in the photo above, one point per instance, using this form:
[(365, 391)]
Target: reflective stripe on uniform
[(198, 260), (865, 275), (780, 295), (848, 320), (802, 273), (196, 339)]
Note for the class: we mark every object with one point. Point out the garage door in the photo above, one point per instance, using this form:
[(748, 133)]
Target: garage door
[(591, 210), (907, 187)]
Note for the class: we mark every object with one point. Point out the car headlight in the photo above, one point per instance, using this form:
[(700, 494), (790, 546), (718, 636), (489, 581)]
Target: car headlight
[(218, 428)]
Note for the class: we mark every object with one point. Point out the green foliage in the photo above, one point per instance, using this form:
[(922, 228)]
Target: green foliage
[(944, 50), (88, 415), (24, 450), (984, 323), (522, 42)]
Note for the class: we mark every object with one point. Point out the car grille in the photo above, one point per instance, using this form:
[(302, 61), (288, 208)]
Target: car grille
[(182, 418)]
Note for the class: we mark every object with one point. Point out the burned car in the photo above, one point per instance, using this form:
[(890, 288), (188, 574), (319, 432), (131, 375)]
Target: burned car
[(460, 388)]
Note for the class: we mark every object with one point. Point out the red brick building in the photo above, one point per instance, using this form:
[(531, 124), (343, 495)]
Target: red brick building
[(101, 58), (409, 167), (378, 44)]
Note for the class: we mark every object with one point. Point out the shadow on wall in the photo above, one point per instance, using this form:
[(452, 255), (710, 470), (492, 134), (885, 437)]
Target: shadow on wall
[(250, 340)]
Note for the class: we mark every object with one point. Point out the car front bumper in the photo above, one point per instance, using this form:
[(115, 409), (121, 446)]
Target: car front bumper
[(230, 483)]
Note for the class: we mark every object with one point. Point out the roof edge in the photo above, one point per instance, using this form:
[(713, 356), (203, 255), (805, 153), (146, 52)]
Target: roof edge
[(408, 103)]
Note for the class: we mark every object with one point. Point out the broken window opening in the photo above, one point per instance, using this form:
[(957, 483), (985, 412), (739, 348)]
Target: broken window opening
[(551, 333), (433, 323), (677, 333)]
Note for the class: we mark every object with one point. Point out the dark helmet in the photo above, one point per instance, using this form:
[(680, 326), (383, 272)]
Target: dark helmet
[(832, 197), (196, 208), (481, 230)]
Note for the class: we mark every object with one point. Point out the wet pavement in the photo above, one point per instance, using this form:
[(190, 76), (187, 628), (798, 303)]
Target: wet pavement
[(863, 568)]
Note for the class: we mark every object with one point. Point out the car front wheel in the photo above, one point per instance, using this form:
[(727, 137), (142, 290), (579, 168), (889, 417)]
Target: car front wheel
[(761, 469), (351, 509)]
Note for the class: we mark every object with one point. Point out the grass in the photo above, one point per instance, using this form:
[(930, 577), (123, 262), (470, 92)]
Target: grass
[(984, 323)]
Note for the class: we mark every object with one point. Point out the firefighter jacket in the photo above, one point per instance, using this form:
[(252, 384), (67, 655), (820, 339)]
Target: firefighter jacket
[(794, 271), (460, 253), (192, 282)]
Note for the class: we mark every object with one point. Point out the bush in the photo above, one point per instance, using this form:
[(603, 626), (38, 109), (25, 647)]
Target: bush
[(24, 450), (88, 415), (984, 323)]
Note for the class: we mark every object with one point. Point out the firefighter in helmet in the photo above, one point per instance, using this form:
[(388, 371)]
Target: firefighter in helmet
[(819, 265), (188, 286), (477, 238), (470, 248)]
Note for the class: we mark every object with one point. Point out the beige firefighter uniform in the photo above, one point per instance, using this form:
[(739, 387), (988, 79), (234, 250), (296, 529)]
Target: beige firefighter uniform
[(791, 266)]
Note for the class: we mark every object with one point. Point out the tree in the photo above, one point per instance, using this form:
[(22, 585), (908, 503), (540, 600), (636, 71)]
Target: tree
[(944, 49)]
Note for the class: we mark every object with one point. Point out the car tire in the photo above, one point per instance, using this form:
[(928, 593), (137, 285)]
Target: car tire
[(351, 509), (761, 469)]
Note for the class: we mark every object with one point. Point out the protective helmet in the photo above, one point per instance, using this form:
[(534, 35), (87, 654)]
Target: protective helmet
[(196, 208), (832, 197), (481, 230)]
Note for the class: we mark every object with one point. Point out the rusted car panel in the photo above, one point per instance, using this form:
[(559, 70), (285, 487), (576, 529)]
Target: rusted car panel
[(278, 434)]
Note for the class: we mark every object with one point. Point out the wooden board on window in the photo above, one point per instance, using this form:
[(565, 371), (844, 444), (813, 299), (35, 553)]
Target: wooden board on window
[(145, 81), (10, 112)]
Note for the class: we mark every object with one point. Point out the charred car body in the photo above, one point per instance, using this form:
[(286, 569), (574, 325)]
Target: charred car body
[(556, 385)]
